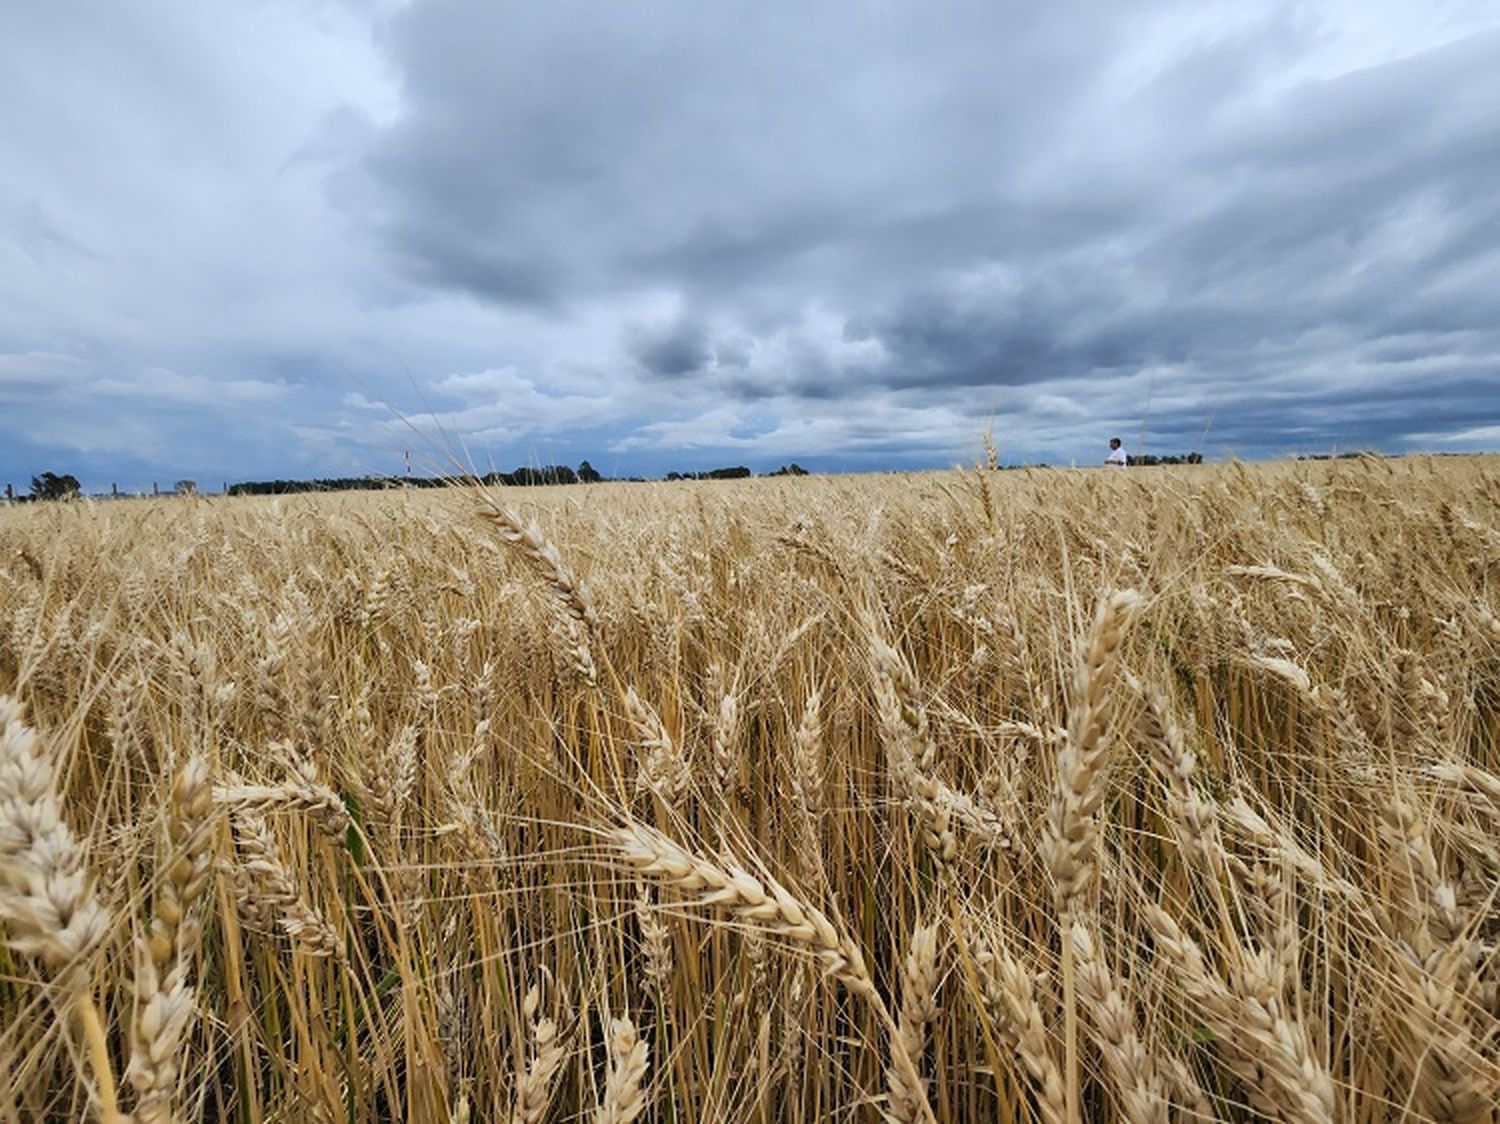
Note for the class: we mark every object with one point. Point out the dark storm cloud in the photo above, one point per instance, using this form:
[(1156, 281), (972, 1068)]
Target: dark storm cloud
[(489, 275), (1315, 419), (672, 350), (1007, 331), (724, 148), (980, 197)]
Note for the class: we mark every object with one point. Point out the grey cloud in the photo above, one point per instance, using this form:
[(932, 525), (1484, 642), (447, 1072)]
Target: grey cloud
[(1367, 246), (491, 275), (1317, 419), (1203, 218), (725, 147), (733, 351), (860, 231), (673, 350), (36, 375)]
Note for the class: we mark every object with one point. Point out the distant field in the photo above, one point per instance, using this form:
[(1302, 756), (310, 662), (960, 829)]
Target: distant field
[(1144, 795)]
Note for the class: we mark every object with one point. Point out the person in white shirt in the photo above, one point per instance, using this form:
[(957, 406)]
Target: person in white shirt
[(1116, 456)]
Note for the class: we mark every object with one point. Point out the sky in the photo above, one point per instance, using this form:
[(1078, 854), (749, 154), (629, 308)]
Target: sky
[(271, 239)]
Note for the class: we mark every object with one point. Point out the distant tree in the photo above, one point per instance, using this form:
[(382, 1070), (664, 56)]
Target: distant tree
[(186, 487), (49, 486), (588, 474), (792, 469)]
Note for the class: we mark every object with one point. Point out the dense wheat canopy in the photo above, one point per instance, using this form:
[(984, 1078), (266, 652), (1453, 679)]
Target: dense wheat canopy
[(1152, 795)]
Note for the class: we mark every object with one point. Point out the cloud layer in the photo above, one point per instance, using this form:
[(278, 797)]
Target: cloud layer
[(285, 239)]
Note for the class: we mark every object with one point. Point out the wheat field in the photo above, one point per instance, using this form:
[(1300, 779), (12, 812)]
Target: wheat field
[(1037, 795)]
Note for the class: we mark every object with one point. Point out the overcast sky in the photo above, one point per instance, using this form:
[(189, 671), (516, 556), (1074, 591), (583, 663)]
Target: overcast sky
[(269, 238)]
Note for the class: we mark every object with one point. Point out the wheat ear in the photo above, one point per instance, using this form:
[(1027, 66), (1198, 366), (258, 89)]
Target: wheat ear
[(1469, 776), (730, 887), (807, 783), (629, 1059), (390, 777), (534, 1087), (911, 754), (1131, 1066), (1455, 1079), (910, 749), (1436, 902), (164, 991), (48, 907), (1194, 818), (1269, 1052), (303, 792), (663, 767), (1012, 999), (919, 1010), (656, 946), (271, 894), (1072, 830), (723, 697), (544, 557), (768, 906), (807, 756)]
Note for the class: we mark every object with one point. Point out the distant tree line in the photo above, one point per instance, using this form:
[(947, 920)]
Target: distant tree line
[(548, 474), (1149, 459), (739, 472), (1146, 460), (526, 476), (51, 486), (328, 484)]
